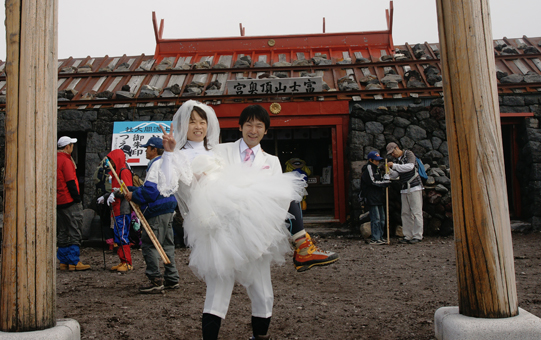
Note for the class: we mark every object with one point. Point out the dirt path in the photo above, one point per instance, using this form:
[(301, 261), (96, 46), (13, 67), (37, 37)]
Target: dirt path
[(373, 292)]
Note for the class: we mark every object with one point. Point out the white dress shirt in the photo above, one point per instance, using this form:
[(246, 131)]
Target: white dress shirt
[(243, 146)]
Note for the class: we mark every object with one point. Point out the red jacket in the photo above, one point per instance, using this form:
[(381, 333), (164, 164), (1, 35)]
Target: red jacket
[(118, 157), (65, 172)]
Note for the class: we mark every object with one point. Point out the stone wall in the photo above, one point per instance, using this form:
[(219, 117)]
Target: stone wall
[(422, 129), (418, 127), (415, 127), (98, 127)]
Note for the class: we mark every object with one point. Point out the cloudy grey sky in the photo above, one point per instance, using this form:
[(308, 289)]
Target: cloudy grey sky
[(116, 27)]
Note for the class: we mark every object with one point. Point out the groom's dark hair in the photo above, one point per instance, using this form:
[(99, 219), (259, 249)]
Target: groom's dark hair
[(255, 112)]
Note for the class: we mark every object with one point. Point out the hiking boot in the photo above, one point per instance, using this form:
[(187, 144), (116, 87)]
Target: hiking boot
[(307, 255), (64, 266), (171, 285), (124, 267), (403, 241), (114, 268), (79, 266), (414, 240), (155, 286)]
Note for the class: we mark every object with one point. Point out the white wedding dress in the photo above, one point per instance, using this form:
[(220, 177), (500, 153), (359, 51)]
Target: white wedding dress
[(234, 216)]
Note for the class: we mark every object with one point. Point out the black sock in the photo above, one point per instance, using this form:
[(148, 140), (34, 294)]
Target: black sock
[(211, 326), (260, 326)]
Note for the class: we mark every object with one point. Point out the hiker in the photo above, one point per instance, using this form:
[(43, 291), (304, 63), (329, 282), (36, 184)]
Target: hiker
[(411, 192), (121, 210), (373, 184), (69, 209), (158, 211)]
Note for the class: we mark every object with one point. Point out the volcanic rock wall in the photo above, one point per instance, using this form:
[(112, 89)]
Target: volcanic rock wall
[(422, 130)]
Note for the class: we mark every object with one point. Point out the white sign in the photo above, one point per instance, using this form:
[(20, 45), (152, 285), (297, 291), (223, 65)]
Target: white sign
[(274, 86), (135, 134)]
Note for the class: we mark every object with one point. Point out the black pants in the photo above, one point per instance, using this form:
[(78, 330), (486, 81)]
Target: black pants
[(295, 225)]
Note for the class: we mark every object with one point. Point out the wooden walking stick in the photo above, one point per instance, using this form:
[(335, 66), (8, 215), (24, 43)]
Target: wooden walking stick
[(387, 204), (146, 226)]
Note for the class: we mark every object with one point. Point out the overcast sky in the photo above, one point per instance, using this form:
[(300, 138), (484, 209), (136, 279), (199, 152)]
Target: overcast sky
[(115, 27)]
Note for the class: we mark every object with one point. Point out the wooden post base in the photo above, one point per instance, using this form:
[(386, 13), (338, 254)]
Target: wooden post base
[(65, 329), (450, 325)]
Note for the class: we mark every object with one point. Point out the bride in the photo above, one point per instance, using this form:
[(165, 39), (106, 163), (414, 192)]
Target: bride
[(234, 214)]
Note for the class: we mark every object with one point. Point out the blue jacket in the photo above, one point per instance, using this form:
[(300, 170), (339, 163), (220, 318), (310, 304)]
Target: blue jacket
[(148, 197)]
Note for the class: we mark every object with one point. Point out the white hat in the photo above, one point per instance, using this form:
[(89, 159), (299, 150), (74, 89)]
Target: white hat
[(65, 140)]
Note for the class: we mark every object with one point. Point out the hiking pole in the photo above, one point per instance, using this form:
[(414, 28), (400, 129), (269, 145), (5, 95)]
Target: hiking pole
[(135, 207), (387, 204), (103, 243)]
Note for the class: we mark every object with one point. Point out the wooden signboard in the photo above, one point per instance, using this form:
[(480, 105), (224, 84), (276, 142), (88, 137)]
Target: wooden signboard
[(274, 86)]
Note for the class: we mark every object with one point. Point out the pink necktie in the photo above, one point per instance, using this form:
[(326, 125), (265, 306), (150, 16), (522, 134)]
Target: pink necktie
[(247, 155)]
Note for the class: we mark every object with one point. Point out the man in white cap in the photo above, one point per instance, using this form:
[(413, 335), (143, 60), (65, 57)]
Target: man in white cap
[(69, 210), (411, 193)]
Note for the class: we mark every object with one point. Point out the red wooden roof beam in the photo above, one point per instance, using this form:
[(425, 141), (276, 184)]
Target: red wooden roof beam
[(170, 47)]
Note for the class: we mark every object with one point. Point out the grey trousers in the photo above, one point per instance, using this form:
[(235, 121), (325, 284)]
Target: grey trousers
[(69, 223), (162, 226), (412, 215)]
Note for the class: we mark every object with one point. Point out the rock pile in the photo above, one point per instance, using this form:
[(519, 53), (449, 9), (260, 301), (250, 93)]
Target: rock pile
[(245, 62), (437, 205)]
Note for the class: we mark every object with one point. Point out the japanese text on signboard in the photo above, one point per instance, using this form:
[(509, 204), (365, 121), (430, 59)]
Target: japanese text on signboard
[(274, 86), (134, 135)]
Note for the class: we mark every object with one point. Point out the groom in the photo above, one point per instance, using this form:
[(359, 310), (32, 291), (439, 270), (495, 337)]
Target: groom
[(254, 122)]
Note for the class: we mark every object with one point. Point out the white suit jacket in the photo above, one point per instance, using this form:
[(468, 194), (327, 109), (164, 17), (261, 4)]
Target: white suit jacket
[(230, 152)]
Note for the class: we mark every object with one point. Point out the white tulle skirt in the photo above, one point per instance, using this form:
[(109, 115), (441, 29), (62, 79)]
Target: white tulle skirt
[(237, 218)]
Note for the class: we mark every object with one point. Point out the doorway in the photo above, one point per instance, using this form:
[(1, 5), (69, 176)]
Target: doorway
[(509, 130), (308, 149)]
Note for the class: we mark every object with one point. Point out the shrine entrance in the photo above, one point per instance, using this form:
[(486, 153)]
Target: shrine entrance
[(315, 134)]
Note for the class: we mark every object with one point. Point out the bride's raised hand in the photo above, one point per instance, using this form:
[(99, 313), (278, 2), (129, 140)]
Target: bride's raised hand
[(169, 141)]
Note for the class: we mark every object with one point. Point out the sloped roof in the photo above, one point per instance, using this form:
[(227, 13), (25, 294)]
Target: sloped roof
[(352, 66)]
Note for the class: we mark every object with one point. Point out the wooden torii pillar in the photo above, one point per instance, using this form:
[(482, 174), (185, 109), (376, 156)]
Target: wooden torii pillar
[(486, 274), (28, 283)]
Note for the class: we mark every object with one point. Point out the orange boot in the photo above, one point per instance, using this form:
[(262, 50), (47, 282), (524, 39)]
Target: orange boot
[(307, 255)]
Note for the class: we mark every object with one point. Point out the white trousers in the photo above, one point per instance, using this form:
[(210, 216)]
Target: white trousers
[(412, 215), (259, 290)]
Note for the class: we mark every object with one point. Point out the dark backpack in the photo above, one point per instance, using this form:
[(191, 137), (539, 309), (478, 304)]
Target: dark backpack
[(364, 187), (101, 176), (362, 199)]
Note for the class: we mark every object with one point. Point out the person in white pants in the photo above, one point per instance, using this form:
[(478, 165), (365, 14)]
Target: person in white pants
[(411, 193)]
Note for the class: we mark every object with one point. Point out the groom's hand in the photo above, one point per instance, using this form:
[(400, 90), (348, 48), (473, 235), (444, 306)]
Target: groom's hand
[(168, 140)]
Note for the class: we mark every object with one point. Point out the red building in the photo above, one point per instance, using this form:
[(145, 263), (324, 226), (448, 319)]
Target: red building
[(308, 82)]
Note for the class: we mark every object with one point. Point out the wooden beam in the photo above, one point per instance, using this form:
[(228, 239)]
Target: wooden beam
[(486, 275), (28, 285)]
